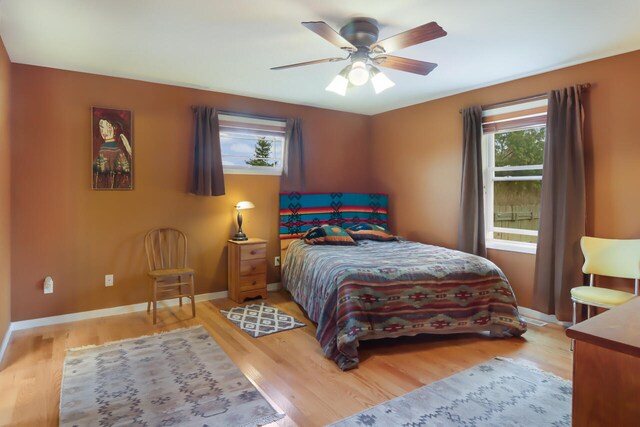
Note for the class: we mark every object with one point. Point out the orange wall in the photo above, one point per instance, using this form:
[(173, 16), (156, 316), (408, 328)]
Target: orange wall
[(5, 191), (417, 155), (64, 229)]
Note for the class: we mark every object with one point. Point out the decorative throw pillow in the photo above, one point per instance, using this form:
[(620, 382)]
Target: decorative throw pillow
[(364, 231), (328, 235)]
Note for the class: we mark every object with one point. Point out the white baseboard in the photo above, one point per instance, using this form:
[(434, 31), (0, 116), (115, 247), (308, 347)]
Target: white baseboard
[(114, 311), (276, 286), (5, 341), (535, 314)]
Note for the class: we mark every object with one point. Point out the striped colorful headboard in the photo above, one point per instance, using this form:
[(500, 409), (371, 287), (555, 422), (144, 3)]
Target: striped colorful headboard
[(302, 211)]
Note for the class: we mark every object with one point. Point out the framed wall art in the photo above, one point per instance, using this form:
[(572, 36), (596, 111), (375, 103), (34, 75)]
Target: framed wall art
[(111, 149)]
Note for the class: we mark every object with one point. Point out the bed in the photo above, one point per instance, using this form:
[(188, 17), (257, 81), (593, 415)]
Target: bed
[(385, 289)]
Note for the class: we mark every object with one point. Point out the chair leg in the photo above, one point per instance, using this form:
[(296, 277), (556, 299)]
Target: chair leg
[(193, 298), (155, 302), (149, 299), (573, 342), (180, 289)]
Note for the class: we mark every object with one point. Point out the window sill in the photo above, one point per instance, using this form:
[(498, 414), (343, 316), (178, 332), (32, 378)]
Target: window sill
[(251, 172), (505, 245)]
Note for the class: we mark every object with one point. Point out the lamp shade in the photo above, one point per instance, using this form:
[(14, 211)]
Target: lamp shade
[(339, 83), (244, 205), (379, 81)]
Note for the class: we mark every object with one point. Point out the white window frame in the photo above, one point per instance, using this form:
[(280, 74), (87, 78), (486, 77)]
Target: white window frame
[(489, 177), (251, 169)]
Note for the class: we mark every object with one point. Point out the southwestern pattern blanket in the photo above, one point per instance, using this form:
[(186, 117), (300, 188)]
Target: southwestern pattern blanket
[(391, 289)]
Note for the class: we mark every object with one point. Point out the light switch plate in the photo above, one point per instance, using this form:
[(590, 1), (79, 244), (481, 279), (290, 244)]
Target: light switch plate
[(108, 279)]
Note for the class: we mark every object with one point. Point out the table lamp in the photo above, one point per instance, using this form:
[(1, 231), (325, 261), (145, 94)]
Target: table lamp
[(239, 207)]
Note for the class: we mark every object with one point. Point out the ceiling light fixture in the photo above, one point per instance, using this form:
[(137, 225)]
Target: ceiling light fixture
[(340, 82), (379, 81), (358, 75)]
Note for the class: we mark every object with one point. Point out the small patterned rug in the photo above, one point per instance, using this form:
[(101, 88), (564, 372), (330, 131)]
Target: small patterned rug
[(496, 393), (261, 319), (178, 378)]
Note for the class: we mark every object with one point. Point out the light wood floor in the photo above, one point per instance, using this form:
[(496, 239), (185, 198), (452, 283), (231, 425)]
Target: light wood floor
[(288, 367)]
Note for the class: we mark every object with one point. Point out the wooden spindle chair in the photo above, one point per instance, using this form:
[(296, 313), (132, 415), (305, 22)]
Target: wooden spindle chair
[(166, 250)]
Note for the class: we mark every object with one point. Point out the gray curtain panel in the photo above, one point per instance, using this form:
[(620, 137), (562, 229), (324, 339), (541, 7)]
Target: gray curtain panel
[(562, 211), (292, 178), (208, 178), (471, 236)]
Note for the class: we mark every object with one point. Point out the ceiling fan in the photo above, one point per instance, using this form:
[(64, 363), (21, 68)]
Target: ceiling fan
[(359, 38)]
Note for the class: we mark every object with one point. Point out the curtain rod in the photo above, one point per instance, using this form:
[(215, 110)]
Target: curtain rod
[(252, 116), (525, 99)]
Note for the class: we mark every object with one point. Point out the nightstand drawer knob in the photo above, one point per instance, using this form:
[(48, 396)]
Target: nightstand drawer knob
[(253, 252), (254, 282)]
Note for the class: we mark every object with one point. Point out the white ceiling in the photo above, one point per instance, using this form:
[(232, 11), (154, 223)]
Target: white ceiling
[(229, 46)]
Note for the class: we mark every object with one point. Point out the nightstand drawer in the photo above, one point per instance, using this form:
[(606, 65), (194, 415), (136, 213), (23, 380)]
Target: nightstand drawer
[(253, 252), (253, 266), (255, 281)]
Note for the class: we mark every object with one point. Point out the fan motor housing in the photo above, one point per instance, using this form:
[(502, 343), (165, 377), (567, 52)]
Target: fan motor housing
[(361, 32)]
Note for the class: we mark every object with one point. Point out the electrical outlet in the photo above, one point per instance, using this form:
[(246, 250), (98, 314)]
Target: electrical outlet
[(276, 261), (48, 285), (108, 279)]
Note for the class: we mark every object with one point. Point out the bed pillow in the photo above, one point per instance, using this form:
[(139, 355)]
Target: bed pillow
[(364, 231), (328, 235)]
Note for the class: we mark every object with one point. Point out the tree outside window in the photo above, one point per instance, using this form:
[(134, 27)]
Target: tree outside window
[(262, 154)]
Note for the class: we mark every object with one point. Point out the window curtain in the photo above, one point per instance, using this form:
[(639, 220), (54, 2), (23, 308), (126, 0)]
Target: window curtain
[(563, 205), (471, 235), (292, 178), (208, 177)]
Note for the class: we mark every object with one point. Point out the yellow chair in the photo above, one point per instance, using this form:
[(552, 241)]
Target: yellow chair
[(166, 250), (607, 257)]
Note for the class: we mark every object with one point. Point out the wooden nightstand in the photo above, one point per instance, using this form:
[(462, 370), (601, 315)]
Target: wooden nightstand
[(247, 269)]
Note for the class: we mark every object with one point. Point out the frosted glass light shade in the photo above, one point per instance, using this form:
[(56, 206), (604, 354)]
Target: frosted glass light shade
[(379, 81), (358, 75), (245, 205), (338, 85)]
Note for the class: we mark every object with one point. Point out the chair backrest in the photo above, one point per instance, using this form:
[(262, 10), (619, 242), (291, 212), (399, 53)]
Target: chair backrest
[(166, 248), (611, 257)]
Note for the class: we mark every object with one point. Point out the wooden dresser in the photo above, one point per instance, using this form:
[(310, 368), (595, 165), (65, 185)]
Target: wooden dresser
[(606, 368), (247, 269)]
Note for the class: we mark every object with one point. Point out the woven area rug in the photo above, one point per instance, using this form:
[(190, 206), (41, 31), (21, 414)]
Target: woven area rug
[(496, 393), (261, 319), (178, 378)]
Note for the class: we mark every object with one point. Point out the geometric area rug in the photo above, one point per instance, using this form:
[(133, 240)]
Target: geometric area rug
[(177, 378), (261, 319), (496, 393)]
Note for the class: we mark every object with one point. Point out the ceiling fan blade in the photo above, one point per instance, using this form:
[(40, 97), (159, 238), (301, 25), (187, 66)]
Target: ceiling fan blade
[(403, 64), (417, 35), (301, 64), (332, 36)]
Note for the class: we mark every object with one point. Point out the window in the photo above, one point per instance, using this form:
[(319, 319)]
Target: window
[(251, 145), (514, 147)]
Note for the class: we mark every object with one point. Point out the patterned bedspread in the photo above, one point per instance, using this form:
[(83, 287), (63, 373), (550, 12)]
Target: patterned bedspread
[(390, 289)]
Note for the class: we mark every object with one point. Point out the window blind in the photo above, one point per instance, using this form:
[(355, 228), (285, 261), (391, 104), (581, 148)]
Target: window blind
[(251, 126), (516, 116)]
